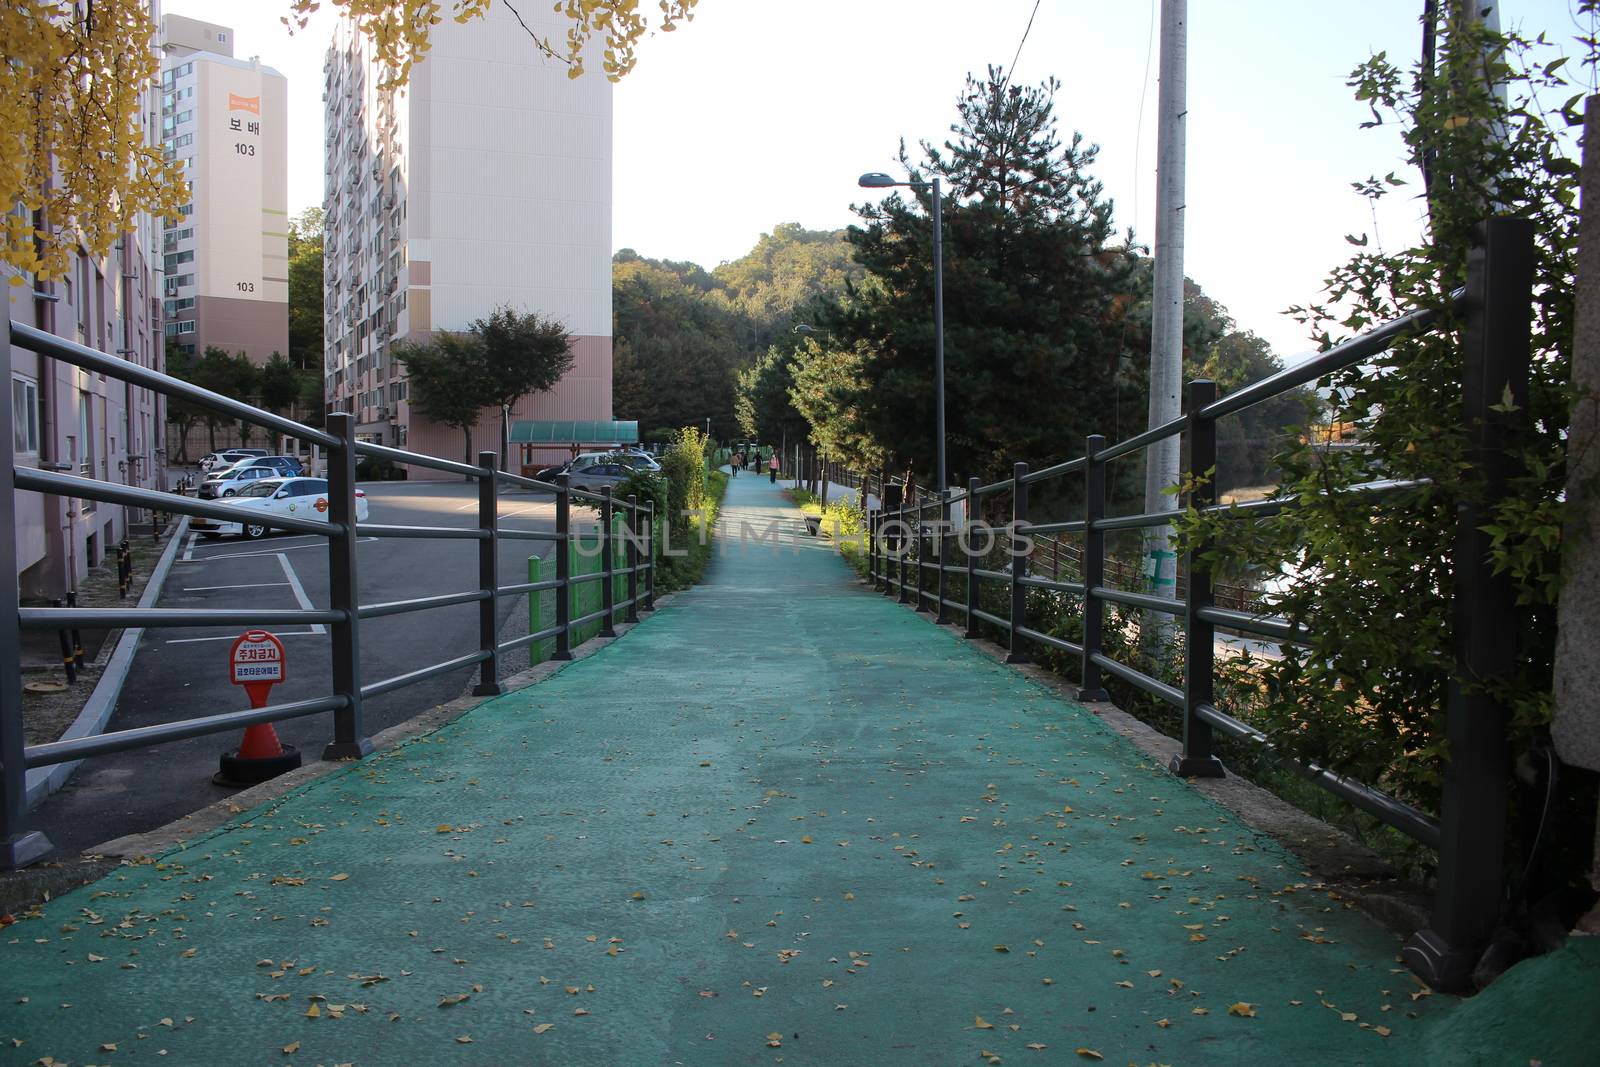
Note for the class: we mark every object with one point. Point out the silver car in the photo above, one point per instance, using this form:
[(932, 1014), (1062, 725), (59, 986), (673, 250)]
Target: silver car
[(596, 472)]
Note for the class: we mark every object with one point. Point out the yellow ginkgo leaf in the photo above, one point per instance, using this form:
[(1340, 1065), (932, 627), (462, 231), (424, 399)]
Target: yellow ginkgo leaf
[(1243, 1009), (980, 1023)]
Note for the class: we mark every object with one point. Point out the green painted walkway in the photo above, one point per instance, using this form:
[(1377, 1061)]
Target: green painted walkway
[(783, 820)]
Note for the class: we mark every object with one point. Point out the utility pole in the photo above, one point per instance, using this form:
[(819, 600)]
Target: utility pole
[(1166, 334)]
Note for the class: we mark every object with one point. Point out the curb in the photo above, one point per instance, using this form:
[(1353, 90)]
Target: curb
[(97, 710)]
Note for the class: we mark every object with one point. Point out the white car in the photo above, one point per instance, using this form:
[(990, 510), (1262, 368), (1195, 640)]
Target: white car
[(303, 498)]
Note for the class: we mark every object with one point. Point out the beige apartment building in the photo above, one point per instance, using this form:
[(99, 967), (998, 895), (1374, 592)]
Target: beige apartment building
[(486, 180), (227, 257)]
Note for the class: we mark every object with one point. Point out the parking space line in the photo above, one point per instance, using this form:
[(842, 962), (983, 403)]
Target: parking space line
[(251, 585), (188, 550), (299, 591), (267, 552)]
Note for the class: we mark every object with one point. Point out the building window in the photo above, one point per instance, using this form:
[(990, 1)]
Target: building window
[(175, 329), (174, 259), (24, 416), (175, 306)]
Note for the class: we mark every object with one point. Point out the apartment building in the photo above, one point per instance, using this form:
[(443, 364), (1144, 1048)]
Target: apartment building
[(74, 421), (227, 257), (486, 180)]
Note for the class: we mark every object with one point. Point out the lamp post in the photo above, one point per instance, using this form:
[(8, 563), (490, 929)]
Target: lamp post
[(877, 180)]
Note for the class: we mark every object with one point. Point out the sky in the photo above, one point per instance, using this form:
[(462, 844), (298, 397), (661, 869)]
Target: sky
[(761, 112)]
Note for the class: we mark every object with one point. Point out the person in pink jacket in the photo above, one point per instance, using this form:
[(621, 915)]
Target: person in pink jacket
[(772, 466)]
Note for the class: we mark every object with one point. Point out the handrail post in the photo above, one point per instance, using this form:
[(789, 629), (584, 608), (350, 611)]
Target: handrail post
[(1496, 349), (972, 558), (650, 559), (608, 591), (941, 616), (564, 552), (1019, 564), (1094, 567), (872, 546), (350, 740), (905, 545), (1197, 760), (632, 614), (488, 576), (19, 846), (922, 560)]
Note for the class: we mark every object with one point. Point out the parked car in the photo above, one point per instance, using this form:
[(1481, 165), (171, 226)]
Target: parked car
[(288, 465), (220, 480), (631, 458), (304, 498), (231, 481), (593, 474), (229, 456)]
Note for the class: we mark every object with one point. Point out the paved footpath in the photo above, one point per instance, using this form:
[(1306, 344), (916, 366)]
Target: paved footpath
[(782, 821)]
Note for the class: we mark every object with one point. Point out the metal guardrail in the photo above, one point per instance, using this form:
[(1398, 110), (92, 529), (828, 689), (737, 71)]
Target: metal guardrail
[(21, 846), (1494, 310)]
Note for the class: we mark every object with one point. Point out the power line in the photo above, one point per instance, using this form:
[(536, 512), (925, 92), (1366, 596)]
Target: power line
[(1022, 42)]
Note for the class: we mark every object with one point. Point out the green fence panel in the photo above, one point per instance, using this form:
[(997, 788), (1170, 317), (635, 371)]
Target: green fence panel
[(584, 556)]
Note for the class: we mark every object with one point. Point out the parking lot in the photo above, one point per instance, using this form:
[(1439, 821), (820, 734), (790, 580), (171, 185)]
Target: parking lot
[(132, 791)]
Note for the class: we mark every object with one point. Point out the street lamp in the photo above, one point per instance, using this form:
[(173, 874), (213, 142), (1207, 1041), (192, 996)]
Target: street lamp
[(877, 180)]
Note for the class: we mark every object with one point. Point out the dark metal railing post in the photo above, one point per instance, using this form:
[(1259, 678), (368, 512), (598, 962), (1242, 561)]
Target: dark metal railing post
[(350, 740), (564, 551), (904, 539), (872, 547), (632, 614), (922, 559), (650, 559), (1019, 564), (608, 590), (971, 524), (488, 576), (1496, 346), (19, 846), (1094, 567), (1199, 641), (940, 614)]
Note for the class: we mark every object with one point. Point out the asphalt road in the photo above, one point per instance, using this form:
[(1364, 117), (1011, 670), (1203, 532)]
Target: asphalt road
[(181, 673)]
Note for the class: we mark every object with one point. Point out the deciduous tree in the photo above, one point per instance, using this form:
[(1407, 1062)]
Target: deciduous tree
[(280, 385), (523, 353), (444, 377)]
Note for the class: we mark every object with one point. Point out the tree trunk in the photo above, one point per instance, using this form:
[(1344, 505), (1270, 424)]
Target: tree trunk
[(466, 433)]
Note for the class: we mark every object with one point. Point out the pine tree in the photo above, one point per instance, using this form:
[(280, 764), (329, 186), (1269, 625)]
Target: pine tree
[(1040, 348)]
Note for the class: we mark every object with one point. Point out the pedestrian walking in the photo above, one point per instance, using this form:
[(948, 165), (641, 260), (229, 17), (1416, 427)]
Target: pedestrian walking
[(734, 463), (772, 466)]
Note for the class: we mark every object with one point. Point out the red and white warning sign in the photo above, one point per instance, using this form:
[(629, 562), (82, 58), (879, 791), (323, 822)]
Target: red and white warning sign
[(257, 662)]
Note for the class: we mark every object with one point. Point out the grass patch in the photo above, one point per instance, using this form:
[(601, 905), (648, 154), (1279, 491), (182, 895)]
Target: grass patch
[(681, 571), (843, 520)]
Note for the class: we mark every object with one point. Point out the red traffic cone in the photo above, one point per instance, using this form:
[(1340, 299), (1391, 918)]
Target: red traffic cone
[(260, 742)]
